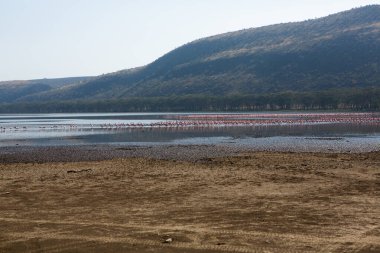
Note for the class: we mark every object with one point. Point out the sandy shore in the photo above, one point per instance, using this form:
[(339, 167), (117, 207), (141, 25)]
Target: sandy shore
[(206, 199), (108, 152)]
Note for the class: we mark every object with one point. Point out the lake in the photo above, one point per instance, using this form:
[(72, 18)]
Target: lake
[(266, 129)]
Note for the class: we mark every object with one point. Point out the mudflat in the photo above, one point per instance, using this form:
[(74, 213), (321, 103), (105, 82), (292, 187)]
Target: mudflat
[(246, 202)]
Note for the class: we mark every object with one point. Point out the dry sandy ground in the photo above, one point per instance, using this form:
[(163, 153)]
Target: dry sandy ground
[(257, 202)]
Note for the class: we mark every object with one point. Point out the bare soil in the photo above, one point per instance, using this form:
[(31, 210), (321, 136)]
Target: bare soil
[(252, 202)]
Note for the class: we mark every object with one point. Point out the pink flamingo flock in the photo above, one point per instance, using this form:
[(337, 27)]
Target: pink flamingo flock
[(232, 120), (226, 120), (279, 119)]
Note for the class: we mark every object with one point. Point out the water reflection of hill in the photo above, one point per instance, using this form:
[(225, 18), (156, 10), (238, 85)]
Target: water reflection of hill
[(262, 131)]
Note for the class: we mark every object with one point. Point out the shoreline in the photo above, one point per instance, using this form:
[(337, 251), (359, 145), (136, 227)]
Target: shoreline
[(180, 152)]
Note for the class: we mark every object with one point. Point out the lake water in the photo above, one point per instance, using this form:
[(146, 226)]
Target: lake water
[(190, 128)]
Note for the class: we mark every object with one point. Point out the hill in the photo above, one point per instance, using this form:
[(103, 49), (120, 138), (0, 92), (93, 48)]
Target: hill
[(339, 52), (11, 91)]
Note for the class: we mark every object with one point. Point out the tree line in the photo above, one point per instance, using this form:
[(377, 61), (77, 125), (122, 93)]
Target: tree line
[(367, 99)]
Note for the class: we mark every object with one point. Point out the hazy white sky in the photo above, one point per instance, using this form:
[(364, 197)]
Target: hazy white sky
[(60, 38)]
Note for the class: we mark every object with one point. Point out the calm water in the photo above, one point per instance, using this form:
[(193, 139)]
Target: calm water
[(186, 128)]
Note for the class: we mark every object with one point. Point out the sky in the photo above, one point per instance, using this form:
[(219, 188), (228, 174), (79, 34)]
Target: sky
[(64, 38)]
